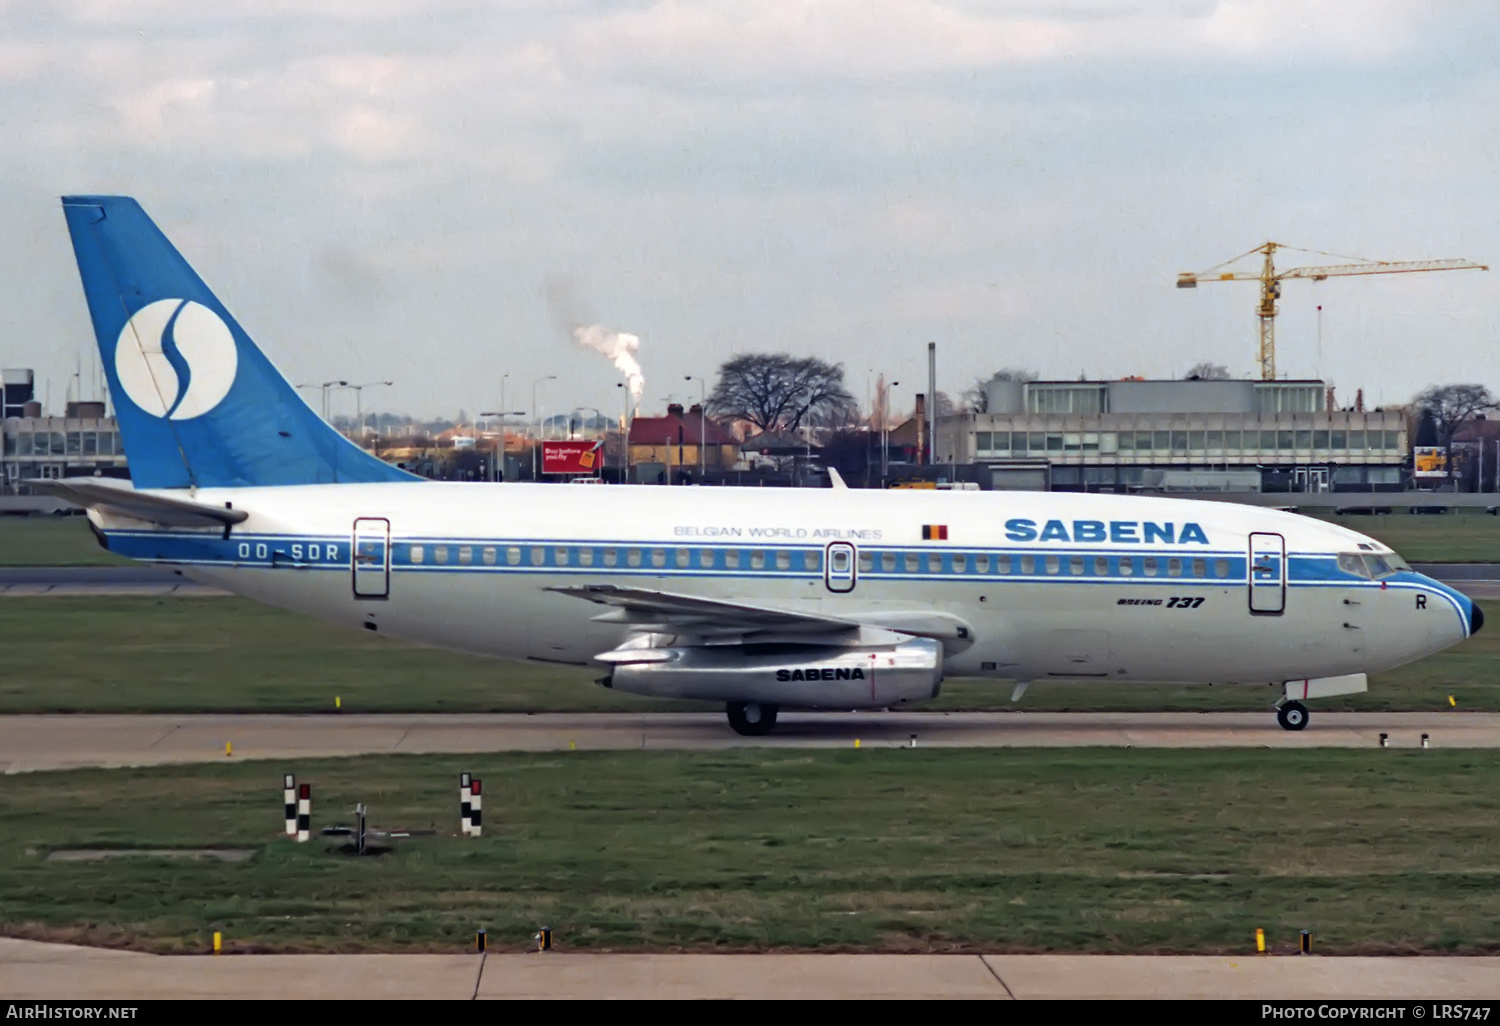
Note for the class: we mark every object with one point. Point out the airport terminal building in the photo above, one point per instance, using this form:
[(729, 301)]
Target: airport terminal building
[(81, 443), (1135, 435), (56, 447)]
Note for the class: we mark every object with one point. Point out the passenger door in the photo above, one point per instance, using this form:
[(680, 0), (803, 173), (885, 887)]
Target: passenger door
[(372, 558), (1267, 574)]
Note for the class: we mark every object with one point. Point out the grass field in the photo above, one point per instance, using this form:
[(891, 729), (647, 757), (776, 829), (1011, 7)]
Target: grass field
[(51, 541), (234, 655), (1468, 537), (880, 849)]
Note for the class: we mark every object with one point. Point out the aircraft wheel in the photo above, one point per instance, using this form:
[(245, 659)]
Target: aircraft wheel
[(751, 719), (1292, 716)]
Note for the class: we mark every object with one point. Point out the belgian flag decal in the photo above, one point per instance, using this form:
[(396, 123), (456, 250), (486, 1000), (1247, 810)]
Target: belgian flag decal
[(934, 532)]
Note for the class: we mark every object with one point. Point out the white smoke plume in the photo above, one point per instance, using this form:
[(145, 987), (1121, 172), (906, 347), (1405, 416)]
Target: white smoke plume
[(620, 347)]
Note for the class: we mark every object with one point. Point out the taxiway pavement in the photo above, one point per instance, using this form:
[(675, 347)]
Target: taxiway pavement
[(57, 581), (32, 971), (49, 742)]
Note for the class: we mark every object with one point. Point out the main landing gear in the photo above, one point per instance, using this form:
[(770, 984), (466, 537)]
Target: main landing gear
[(751, 719), (1291, 715)]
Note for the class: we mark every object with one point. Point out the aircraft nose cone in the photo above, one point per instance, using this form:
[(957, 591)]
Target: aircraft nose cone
[(1476, 618)]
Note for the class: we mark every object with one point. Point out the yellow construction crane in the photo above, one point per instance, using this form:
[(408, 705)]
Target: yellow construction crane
[(1270, 284)]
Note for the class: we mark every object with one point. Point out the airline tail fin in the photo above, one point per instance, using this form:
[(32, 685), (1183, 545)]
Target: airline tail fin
[(198, 403)]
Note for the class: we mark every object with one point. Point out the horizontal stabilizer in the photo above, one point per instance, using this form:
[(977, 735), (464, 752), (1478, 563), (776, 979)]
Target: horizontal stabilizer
[(119, 498)]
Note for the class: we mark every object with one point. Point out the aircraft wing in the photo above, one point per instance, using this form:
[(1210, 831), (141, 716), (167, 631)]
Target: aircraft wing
[(648, 609), (120, 498)]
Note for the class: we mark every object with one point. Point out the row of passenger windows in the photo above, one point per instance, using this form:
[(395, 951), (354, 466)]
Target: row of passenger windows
[(1022, 443), (567, 555), (782, 559), (1076, 566)]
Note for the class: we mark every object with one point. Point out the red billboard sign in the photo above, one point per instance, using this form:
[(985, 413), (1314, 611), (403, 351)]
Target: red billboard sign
[(573, 457)]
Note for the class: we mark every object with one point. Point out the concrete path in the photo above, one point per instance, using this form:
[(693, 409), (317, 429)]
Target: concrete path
[(31, 971), (1459, 573), (67, 741)]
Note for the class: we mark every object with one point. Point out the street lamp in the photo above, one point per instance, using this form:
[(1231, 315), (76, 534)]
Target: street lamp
[(500, 448), (537, 412), (702, 421), (885, 433), (325, 386), (598, 414), (359, 392)]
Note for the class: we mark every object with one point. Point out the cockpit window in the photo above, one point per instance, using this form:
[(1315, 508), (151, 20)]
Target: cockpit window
[(1353, 563), (1371, 566)]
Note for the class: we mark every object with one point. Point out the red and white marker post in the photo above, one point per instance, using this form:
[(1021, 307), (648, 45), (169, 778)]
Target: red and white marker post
[(464, 784), (289, 799)]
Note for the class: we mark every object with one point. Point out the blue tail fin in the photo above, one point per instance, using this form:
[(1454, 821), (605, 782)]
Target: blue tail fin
[(199, 404)]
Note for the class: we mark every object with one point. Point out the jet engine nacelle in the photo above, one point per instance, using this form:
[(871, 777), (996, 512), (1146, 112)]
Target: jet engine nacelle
[(791, 676)]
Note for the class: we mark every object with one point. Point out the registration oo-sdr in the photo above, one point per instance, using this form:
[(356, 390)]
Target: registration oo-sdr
[(1435, 1010)]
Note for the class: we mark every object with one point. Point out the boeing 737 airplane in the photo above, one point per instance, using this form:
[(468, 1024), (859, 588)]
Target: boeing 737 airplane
[(762, 599)]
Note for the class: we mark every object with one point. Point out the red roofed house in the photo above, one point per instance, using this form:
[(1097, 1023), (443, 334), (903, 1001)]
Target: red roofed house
[(672, 444)]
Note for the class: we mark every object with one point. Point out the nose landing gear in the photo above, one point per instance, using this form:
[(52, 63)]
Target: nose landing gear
[(1291, 715)]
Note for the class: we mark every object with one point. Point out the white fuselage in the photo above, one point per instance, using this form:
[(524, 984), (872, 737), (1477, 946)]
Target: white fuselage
[(1121, 588)]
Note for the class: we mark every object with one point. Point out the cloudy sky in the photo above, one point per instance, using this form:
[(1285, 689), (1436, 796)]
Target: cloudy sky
[(386, 189)]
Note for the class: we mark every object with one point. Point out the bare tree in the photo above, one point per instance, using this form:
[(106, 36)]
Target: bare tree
[(1450, 407), (835, 417), (1207, 371), (976, 398), (778, 391)]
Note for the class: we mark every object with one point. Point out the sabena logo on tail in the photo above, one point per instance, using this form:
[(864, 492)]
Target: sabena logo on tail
[(164, 336)]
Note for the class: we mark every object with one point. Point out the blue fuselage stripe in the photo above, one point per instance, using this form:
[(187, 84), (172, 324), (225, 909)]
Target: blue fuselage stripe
[(788, 560)]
